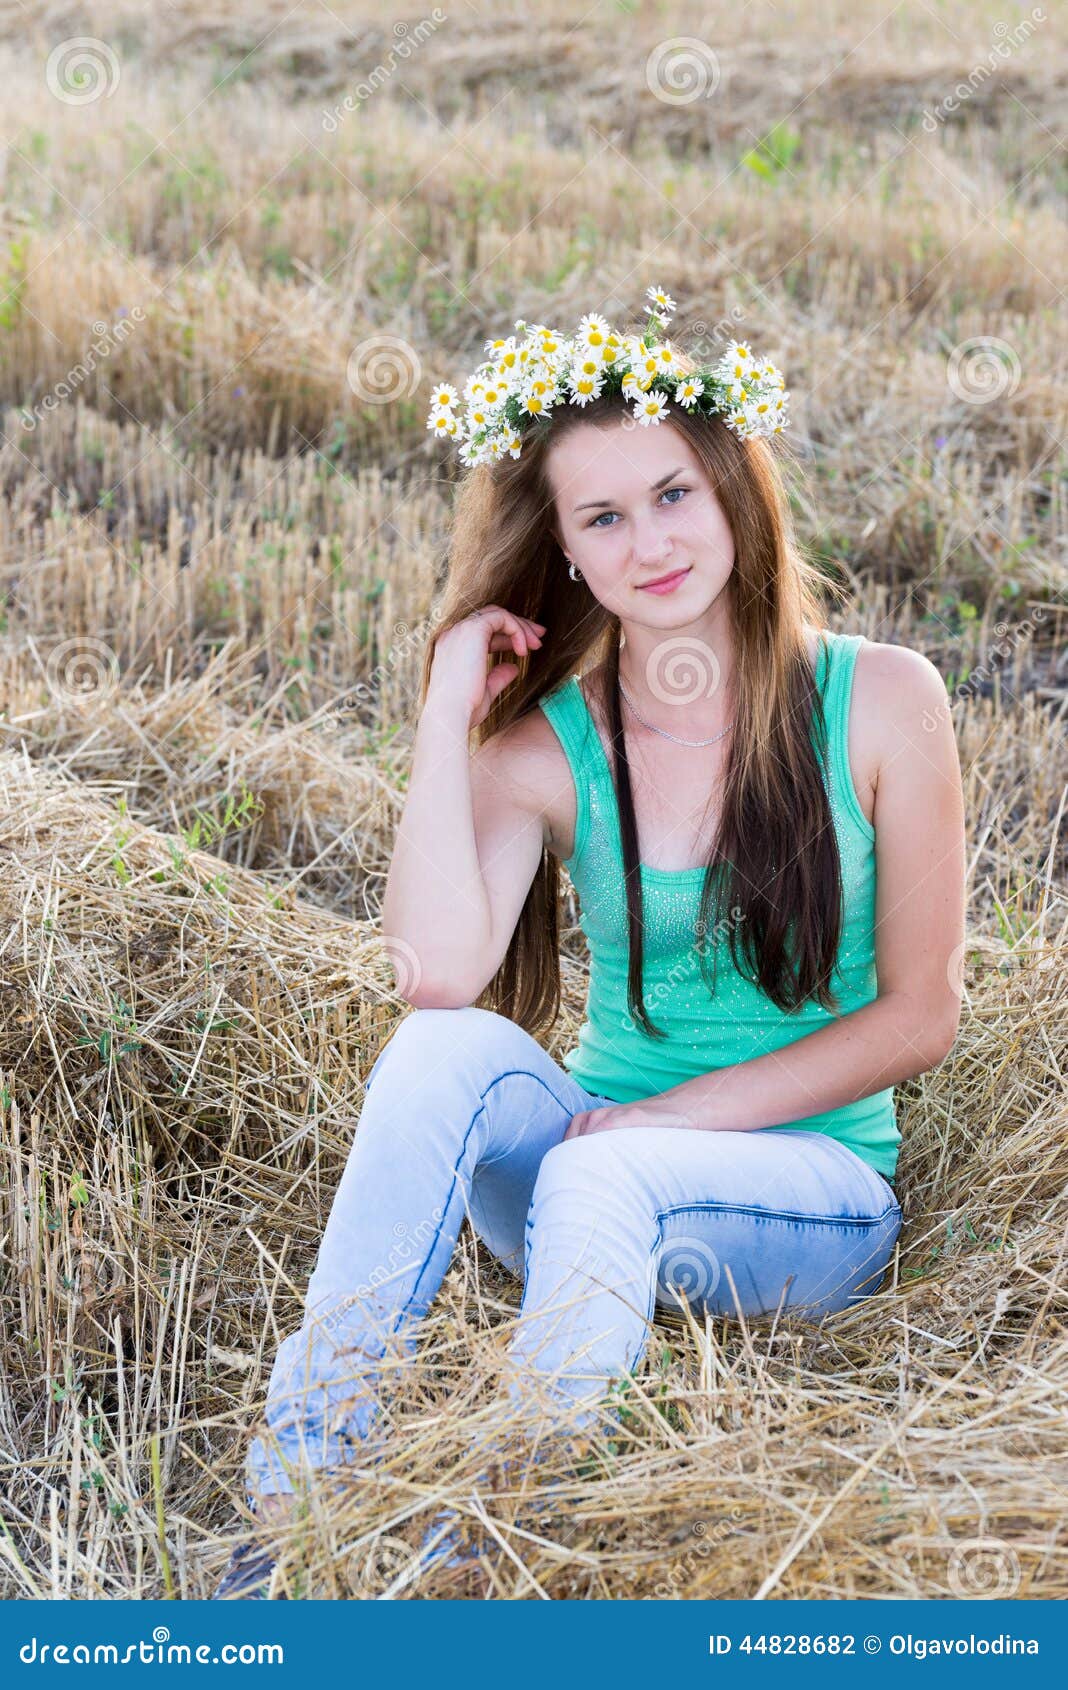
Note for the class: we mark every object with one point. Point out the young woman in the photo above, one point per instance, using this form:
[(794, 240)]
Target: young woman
[(765, 835)]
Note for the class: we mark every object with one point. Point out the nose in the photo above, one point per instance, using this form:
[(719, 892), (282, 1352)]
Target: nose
[(651, 548)]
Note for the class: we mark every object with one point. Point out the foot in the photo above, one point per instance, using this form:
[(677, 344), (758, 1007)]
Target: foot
[(247, 1576)]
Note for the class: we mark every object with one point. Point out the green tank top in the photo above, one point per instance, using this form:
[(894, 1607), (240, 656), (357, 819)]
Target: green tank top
[(614, 1058)]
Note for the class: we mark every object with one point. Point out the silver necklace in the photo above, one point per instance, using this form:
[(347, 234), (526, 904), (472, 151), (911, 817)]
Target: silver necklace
[(663, 731)]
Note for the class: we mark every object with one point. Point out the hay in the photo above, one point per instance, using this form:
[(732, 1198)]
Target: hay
[(217, 570), (182, 1062)]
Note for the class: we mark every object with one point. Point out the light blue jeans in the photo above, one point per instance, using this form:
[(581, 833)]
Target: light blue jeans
[(464, 1112)]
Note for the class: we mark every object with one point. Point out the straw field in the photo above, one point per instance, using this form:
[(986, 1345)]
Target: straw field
[(237, 247)]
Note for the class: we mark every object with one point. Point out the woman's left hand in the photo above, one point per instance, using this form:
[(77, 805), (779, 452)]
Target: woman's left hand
[(651, 1112)]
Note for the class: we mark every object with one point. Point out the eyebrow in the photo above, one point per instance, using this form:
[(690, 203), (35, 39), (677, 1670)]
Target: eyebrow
[(606, 504)]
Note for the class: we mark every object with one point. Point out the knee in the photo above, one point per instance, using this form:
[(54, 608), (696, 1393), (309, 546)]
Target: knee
[(584, 1178), (588, 1213), (432, 1043)]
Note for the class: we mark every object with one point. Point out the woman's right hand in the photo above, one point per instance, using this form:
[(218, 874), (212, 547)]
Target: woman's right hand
[(460, 683)]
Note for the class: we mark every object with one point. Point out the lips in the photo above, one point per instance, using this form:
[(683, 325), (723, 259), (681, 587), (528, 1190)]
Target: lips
[(665, 583)]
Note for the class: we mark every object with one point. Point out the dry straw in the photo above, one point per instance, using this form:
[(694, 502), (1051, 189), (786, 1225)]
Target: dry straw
[(182, 1058), (191, 987)]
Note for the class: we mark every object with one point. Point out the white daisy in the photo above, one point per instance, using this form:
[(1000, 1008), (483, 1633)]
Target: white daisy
[(443, 422), (470, 454), (508, 360), (593, 329), (537, 397), (650, 408), (587, 364), (479, 416), (583, 388), (759, 407), (662, 302)]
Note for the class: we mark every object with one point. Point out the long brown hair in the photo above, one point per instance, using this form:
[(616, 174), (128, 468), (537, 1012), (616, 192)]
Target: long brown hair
[(775, 862)]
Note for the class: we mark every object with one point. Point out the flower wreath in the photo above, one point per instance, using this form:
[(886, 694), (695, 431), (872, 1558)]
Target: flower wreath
[(521, 382)]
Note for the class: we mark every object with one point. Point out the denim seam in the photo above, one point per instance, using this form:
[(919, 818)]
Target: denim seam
[(762, 1214), (782, 1215), (507, 1074)]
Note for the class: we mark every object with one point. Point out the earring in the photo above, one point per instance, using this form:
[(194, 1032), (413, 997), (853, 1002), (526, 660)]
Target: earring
[(575, 574)]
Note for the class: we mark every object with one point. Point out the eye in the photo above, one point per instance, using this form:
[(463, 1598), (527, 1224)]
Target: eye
[(596, 523)]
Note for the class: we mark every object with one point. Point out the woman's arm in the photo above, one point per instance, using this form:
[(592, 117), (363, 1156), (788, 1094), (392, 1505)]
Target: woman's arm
[(919, 936), (469, 840)]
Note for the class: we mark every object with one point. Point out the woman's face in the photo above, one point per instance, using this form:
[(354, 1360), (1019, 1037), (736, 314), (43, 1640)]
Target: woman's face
[(632, 504)]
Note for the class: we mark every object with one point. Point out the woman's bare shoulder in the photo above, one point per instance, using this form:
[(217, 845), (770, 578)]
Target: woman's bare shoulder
[(895, 674), (892, 685), (529, 767)]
